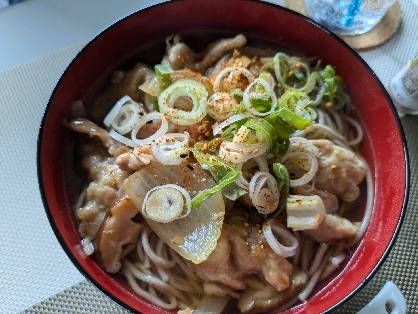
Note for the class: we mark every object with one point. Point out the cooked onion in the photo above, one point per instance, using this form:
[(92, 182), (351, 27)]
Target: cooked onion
[(271, 227)]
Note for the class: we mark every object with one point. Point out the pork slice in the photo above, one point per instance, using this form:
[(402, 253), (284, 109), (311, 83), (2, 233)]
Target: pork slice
[(217, 49), (253, 255), (135, 159), (88, 127), (219, 266), (179, 55), (339, 170), (332, 228), (123, 83), (255, 300)]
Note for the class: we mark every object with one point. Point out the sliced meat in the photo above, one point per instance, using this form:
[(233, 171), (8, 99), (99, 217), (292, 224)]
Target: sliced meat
[(117, 235), (242, 252), (179, 55), (106, 178), (217, 49), (255, 300), (86, 126), (214, 288), (253, 255), (135, 159), (331, 229), (339, 170), (234, 59), (200, 131), (219, 266)]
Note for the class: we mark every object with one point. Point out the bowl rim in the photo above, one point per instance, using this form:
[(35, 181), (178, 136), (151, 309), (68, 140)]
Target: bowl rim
[(91, 41)]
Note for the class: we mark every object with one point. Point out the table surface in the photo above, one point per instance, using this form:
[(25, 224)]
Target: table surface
[(38, 38)]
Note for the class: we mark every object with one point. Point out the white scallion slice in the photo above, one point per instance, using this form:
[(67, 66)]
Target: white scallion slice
[(303, 153), (233, 74), (304, 212), (165, 203), (262, 166), (264, 199), (127, 117), (238, 153), (222, 106), (145, 119), (122, 139), (115, 110), (168, 150), (288, 245)]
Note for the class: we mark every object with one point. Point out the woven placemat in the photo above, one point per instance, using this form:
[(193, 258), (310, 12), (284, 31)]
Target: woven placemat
[(382, 32)]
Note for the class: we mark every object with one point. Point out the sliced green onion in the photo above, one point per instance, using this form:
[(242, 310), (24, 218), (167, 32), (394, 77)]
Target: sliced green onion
[(262, 101), (184, 88), (233, 74), (265, 128), (292, 108), (165, 203), (334, 87), (212, 162), (283, 186), (282, 63), (163, 72)]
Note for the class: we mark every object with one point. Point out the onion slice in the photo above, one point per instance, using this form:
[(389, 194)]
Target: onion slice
[(270, 228)]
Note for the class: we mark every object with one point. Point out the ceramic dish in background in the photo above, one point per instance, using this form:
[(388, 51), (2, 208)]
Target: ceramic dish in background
[(141, 36)]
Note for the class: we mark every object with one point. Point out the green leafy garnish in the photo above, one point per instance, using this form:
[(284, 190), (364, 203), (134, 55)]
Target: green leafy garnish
[(223, 173), (283, 186)]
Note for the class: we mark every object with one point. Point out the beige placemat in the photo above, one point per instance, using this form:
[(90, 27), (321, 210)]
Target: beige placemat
[(381, 33)]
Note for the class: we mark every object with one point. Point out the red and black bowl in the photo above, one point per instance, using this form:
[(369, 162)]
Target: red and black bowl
[(141, 36)]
